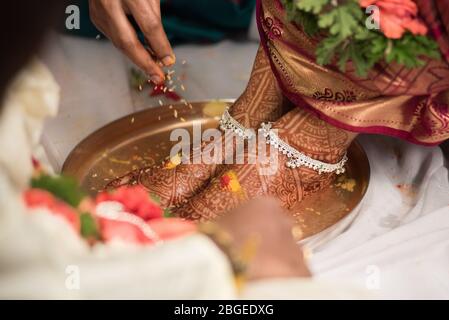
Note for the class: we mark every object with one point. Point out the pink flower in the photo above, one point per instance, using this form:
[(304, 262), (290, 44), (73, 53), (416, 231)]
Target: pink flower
[(165, 229), (117, 230), (397, 16), (135, 199), (37, 198)]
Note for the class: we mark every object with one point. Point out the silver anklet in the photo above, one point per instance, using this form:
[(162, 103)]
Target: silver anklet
[(298, 159), (227, 122)]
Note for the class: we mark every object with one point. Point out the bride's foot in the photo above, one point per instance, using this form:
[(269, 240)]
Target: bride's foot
[(174, 183), (239, 183)]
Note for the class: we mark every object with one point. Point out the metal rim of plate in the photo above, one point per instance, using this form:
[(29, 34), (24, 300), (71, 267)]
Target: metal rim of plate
[(139, 139)]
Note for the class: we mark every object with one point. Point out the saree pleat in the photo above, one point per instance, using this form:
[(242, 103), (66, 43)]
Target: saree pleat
[(410, 104)]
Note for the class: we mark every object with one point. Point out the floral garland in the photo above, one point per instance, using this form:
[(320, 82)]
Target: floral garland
[(128, 214), (340, 26)]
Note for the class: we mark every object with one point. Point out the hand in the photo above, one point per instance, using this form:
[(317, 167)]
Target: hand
[(109, 16), (277, 255)]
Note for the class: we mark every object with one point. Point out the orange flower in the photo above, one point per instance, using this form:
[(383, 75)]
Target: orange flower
[(230, 182), (396, 17)]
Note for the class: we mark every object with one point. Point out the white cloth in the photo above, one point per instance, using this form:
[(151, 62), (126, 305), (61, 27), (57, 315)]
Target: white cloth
[(401, 235), (398, 244), (31, 97), (301, 289)]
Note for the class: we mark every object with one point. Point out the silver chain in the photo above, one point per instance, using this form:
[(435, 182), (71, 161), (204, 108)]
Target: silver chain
[(298, 159), (227, 122)]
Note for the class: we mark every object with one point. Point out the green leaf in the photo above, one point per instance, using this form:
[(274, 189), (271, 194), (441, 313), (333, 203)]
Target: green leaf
[(167, 213), (62, 187), (356, 56), (312, 6), (409, 50), (137, 79), (347, 38), (361, 33), (155, 198), (308, 21), (378, 45), (89, 227), (326, 49), (340, 21), (343, 59)]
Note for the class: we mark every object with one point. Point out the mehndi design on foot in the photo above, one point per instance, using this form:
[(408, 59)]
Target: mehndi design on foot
[(302, 130), (261, 101)]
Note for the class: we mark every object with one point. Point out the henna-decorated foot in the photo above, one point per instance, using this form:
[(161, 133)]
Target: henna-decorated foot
[(239, 183), (261, 101)]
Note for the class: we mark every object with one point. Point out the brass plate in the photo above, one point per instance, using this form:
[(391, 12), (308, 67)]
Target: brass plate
[(142, 139)]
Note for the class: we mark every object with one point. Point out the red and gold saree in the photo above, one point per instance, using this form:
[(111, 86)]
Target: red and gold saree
[(411, 104)]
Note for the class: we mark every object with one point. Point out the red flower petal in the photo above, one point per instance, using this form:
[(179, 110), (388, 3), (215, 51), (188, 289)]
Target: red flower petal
[(116, 230), (37, 198), (135, 200)]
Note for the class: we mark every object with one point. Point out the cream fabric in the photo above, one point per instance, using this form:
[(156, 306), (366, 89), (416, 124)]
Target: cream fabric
[(305, 289), (397, 243)]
